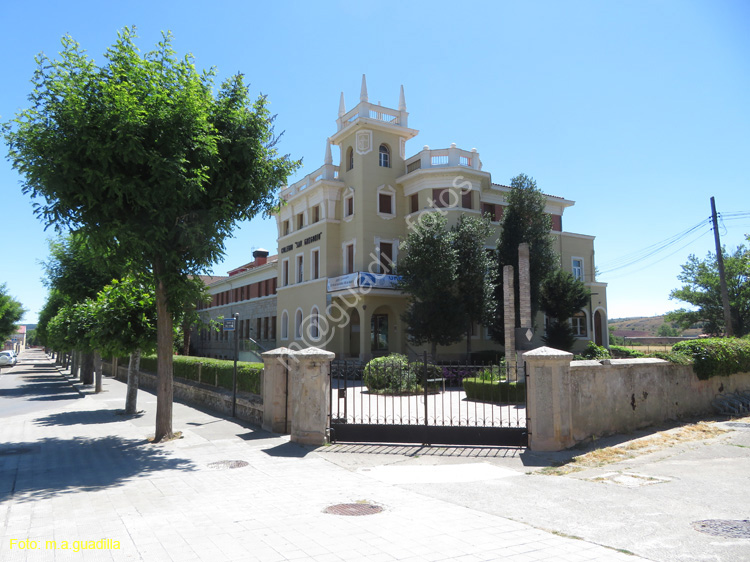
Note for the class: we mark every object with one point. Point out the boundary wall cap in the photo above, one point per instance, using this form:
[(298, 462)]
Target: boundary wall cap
[(313, 353), (279, 351), (547, 353)]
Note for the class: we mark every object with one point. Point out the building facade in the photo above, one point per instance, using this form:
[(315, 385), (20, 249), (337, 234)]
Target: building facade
[(339, 234)]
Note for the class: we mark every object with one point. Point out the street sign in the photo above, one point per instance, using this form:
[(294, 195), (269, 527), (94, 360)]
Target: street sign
[(229, 324)]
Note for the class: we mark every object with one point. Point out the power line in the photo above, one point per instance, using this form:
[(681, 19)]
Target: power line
[(700, 235), (644, 254)]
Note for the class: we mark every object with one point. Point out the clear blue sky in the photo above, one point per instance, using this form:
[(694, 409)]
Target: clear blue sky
[(637, 110)]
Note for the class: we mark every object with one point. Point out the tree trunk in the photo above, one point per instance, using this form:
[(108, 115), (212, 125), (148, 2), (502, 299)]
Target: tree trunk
[(87, 368), (468, 342), (131, 396), (433, 351), (115, 367), (164, 350), (185, 340), (98, 372), (74, 360)]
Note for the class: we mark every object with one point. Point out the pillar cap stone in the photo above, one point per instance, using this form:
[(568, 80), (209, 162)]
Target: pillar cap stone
[(313, 353), (279, 351), (547, 353)]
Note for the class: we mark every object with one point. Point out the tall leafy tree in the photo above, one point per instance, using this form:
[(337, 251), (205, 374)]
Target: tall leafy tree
[(476, 270), (524, 220), (702, 290), (140, 153), (428, 271), (11, 311), (75, 272), (561, 296), (125, 324)]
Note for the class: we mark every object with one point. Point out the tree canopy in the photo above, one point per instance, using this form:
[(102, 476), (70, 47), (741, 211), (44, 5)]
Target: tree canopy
[(524, 220), (11, 311), (560, 297), (428, 271), (701, 289), (141, 155), (476, 270)]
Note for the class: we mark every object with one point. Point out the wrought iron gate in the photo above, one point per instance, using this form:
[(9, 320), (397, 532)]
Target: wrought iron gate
[(395, 401)]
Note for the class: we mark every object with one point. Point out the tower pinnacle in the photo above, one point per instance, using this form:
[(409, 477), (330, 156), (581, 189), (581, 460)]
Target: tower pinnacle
[(363, 91)]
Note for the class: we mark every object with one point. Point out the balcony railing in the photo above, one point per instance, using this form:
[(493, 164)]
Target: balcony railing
[(325, 172), (372, 111), (444, 157)]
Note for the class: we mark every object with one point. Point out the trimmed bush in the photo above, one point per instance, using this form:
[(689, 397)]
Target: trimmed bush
[(714, 357), (678, 358), (619, 352), (212, 370), (594, 351), (495, 391), (390, 374), (395, 375)]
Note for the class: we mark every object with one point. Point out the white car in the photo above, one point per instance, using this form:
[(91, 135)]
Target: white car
[(7, 358)]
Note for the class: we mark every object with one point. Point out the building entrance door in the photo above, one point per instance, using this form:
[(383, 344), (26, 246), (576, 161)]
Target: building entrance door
[(379, 334)]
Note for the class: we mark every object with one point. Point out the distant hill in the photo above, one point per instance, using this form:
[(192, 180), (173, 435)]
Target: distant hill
[(644, 326)]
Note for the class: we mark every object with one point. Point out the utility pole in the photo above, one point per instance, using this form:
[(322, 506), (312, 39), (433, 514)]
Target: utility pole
[(722, 277)]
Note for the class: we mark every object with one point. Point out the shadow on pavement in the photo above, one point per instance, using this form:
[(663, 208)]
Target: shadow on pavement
[(84, 417), (287, 450), (255, 435), (42, 388), (50, 467)]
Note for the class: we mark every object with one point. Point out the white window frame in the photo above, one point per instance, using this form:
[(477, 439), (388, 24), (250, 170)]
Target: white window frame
[(285, 325), (394, 242), (314, 330), (299, 270), (348, 195), (299, 319), (313, 253), (387, 154), (585, 320), (285, 272), (573, 268), (344, 245), (389, 190)]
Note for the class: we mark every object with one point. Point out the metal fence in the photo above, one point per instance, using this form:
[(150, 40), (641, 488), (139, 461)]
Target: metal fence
[(394, 400)]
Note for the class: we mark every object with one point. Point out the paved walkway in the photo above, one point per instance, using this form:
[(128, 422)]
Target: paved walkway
[(83, 476)]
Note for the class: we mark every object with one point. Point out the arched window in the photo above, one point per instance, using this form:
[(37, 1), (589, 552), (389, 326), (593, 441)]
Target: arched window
[(385, 156), (314, 324), (350, 159), (298, 325), (285, 325), (578, 322)]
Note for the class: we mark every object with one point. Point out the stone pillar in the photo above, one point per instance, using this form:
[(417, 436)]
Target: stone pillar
[(548, 401), (310, 395), (365, 348), (509, 313), (524, 286), (276, 381)]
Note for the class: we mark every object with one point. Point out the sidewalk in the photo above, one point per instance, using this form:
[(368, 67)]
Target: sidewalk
[(85, 473)]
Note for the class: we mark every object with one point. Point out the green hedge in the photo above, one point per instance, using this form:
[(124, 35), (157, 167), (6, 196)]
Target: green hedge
[(248, 374), (619, 352), (497, 391), (713, 357)]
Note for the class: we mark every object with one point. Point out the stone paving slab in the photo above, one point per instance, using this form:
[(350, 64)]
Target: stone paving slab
[(86, 473)]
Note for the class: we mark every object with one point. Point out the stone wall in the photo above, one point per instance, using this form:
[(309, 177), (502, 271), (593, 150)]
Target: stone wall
[(249, 406), (627, 394), (571, 401)]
